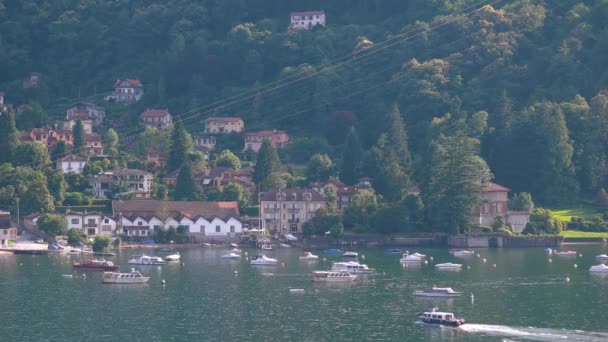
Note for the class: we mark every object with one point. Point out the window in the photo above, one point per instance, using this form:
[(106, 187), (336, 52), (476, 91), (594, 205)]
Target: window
[(75, 221), (217, 229), (106, 221), (139, 223), (232, 230)]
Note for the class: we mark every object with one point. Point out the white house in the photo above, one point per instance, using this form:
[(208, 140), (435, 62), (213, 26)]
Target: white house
[(204, 221), (128, 90), (86, 111), (306, 20), (133, 181), (71, 164), (91, 223)]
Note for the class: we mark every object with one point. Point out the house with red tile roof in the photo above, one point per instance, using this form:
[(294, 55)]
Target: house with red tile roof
[(494, 202), (253, 140), (158, 118), (125, 91), (94, 144), (86, 111), (224, 125), (306, 20)]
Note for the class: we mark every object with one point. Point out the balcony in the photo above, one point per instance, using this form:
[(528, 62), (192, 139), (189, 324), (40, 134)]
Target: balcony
[(294, 220), (90, 225), (293, 210), (272, 210)]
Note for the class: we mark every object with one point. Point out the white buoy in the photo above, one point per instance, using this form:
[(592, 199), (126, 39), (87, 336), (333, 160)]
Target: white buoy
[(324, 259), (575, 265), (567, 279), (84, 275), (493, 265), (478, 255), (468, 267), (472, 298), (550, 260), (426, 262), (431, 258), (363, 256), (580, 255), (163, 282), (236, 272), (484, 260)]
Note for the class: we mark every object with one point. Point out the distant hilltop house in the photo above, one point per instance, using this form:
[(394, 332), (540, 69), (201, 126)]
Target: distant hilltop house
[(31, 81), (204, 142), (224, 125), (86, 111), (128, 90), (93, 144), (203, 221), (130, 181), (253, 140), (306, 20), (158, 118), (68, 124), (49, 137), (494, 199), (71, 164)]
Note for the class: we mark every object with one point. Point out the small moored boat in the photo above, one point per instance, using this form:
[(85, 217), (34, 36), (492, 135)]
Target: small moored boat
[(601, 268), (448, 266), (349, 254), (173, 257), (266, 247), (461, 252), (352, 267), (438, 292), (231, 256), (440, 318), (95, 265), (263, 260), (566, 253), (411, 258), (601, 257), (392, 250), (332, 276), (308, 256), (332, 251), (124, 278), (146, 260)]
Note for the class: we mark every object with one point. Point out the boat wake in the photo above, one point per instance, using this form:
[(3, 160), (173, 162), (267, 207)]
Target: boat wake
[(535, 334)]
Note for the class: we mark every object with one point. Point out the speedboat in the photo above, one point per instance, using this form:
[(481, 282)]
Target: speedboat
[(461, 252), (308, 256), (333, 276), (124, 278), (352, 267), (601, 257), (285, 245), (566, 253), (235, 250), (448, 266), (95, 265), (261, 259), (548, 251), (146, 260), (231, 256), (173, 257), (332, 251), (599, 268), (234, 245), (438, 292), (440, 318), (392, 250), (419, 255), (164, 250), (349, 254), (410, 258), (266, 247)]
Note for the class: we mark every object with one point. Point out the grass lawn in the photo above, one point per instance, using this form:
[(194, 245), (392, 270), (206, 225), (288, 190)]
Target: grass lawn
[(566, 214), (578, 234)]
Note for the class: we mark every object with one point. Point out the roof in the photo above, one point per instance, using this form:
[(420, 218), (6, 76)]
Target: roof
[(226, 119), (308, 13), (80, 213), (274, 132), (132, 83), (145, 208), (155, 113), (289, 195), (92, 137), (72, 158), (493, 187)]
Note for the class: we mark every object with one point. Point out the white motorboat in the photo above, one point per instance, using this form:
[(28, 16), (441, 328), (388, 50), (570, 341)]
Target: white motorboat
[(601, 257), (235, 250), (231, 256), (146, 260), (566, 253), (440, 318), (461, 252), (308, 256), (266, 247), (349, 254), (333, 276), (124, 278), (173, 257), (352, 267), (419, 255), (285, 245), (411, 258), (448, 266), (601, 268), (263, 260), (234, 245), (438, 292)]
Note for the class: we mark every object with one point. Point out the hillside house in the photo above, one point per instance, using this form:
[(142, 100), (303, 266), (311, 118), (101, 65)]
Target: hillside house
[(71, 164), (91, 223), (204, 221), (306, 20), (93, 144), (253, 140), (49, 137), (286, 211), (204, 142), (125, 91), (68, 124), (158, 118), (495, 199), (128, 181), (86, 111), (31, 81), (224, 125), (342, 192)]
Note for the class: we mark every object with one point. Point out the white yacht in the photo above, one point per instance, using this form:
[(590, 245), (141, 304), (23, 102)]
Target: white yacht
[(261, 259), (333, 276), (601, 268), (438, 292), (173, 257), (566, 253), (411, 258), (124, 278), (231, 256), (146, 260), (235, 250), (351, 267), (308, 256), (349, 254), (601, 257), (440, 318), (461, 252), (448, 266)]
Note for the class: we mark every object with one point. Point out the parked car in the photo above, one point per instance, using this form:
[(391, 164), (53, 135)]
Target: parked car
[(78, 245), (39, 240), (55, 246)]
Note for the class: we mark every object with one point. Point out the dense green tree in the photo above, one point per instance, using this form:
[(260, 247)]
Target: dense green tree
[(352, 158), (320, 168), (521, 202), (32, 116), (8, 135), (52, 224), (110, 142), (542, 221), (266, 163), (79, 143), (60, 150), (57, 185), (101, 243), (76, 235), (384, 166), (185, 186), (228, 159), (360, 212), (235, 192), (324, 223), (32, 154), (181, 145)]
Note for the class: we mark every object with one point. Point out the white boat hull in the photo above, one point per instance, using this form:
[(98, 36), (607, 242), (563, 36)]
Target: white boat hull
[(601, 268), (436, 295)]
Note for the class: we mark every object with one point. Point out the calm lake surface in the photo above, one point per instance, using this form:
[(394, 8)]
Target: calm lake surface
[(521, 299)]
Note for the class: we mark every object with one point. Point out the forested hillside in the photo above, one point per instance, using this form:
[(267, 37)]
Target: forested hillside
[(525, 78)]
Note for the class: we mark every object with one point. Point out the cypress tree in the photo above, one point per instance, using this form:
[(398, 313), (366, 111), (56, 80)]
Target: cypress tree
[(185, 186), (8, 135), (397, 140), (352, 157), (179, 148), (78, 132), (266, 163)]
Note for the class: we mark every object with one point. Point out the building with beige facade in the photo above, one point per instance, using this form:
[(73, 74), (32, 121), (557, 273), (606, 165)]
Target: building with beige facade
[(224, 125), (286, 211)]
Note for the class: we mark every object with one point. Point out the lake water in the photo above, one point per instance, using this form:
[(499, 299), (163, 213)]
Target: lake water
[(521, 299)]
